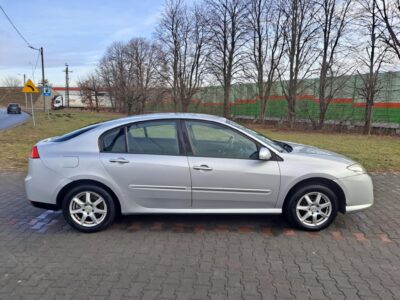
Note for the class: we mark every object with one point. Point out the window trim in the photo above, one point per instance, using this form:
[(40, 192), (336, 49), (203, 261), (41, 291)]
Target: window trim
[(181, 146), (189, 146), (185, 148), (101, 144)]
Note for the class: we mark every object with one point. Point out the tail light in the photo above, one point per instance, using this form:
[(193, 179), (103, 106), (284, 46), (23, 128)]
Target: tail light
[(34, 153)]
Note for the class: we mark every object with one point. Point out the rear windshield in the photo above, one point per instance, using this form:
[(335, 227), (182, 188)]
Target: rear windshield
[(74, 134)]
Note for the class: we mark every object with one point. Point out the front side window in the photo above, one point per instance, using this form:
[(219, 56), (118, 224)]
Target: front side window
[(215, 140), (153, 137)]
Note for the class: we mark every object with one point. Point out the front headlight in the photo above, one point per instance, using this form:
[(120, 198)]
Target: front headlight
[(357, 168)]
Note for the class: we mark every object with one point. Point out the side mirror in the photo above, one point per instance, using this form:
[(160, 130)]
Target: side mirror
[(264, 154)]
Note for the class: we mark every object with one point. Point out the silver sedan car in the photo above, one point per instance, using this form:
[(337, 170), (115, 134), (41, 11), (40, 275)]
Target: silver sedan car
[(190, 163)]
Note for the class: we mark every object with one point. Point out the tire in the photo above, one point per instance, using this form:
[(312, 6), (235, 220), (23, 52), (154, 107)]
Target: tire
[(88, 216), (312, 207)]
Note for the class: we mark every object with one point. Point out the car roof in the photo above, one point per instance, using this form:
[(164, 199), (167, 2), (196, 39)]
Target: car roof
[(157, 116)]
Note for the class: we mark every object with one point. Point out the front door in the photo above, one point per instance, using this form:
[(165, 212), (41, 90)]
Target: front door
[(146, 161), (225, 169)]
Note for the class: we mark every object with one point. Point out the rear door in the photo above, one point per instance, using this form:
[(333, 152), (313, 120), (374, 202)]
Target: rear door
[(225, 169), (146, 160)]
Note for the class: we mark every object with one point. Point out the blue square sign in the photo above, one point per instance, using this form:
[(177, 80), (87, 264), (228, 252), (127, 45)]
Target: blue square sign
[(46, 91)]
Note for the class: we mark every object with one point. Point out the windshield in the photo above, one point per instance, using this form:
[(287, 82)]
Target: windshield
[(258, 136)]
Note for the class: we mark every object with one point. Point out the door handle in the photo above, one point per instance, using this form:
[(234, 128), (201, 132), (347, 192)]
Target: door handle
[(119, 160), (202, 168)]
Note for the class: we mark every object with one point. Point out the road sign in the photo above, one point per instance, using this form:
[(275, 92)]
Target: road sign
[(46, 91), (30, 87)]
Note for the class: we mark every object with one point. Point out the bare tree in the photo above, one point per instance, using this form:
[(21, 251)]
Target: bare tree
[(144, 57), (90, 88), (266, 42), (372, 57), (389, 13), (300, 54), (129, 71), (227, 32), (105, 73), (182, 35), (11, 81), (112, 70), (332, 21)]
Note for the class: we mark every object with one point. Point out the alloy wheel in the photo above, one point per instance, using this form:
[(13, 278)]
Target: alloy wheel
[(313, 209), (88, 209)]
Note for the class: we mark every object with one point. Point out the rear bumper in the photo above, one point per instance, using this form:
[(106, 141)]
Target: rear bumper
[(358, 190), (42, 184), (44, 205)]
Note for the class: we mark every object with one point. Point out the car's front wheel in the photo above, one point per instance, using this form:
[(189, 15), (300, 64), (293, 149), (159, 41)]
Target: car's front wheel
[(312, 207), (88, 208)]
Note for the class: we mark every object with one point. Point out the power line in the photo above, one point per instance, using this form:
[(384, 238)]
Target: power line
[(15, 27), (34, 68), (30, 46), (37, 60)]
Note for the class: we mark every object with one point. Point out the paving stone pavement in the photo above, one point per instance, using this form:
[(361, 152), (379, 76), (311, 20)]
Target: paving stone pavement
[(199, 257)]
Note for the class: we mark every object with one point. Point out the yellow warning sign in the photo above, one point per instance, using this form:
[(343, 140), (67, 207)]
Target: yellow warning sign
[(30, 87)]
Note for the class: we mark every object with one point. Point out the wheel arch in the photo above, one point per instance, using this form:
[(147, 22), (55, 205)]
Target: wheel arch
[(61, 194), (318, 180)]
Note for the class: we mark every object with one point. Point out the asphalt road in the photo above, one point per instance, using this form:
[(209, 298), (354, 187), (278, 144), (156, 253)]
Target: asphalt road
[(7, 121)]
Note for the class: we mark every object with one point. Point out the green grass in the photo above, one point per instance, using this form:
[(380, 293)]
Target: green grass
[(376, 153), (17, 142)]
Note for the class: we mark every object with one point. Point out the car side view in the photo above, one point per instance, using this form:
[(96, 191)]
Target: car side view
[(13, 108), (185, 163)]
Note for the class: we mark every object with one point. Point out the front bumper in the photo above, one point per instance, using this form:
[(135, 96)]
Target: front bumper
[(358, 190)]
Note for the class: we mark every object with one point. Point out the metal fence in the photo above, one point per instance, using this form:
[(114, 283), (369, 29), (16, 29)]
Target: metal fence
[(348, 106)]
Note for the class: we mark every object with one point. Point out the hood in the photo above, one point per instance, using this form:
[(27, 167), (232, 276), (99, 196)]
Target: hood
[(310, 151)]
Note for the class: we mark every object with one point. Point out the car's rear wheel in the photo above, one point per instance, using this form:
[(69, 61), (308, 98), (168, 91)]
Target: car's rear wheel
[(312, 207), (88, 208)]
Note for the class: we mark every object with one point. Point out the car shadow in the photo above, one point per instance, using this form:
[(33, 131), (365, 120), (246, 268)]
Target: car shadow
[(273, 224)]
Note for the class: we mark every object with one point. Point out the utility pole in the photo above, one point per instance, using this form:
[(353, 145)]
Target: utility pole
[(44, 97), (26, 96), (43, 80), (67, 71)]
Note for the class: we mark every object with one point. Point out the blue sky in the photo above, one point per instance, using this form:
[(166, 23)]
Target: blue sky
[(76, 32)]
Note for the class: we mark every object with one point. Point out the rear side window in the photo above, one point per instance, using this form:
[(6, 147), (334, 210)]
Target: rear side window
[(74, 134), (153, 137), (114, 141)]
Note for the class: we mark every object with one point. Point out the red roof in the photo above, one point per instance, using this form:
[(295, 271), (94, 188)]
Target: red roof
[(64, 89)]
